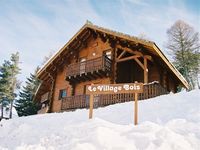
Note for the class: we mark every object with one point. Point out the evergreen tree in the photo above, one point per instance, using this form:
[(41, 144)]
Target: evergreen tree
[(183, 43), (8, 79), (5, 82), (25, 105), (15, 70)]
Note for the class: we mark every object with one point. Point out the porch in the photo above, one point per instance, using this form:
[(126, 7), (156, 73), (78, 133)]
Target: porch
[(82, 101)]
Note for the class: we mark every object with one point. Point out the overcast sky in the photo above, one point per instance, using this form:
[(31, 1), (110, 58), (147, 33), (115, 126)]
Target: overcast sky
[(36, 28)]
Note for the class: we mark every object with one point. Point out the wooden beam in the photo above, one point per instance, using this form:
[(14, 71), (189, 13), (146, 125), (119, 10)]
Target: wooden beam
[(121, 54), (128, 58), (145, 71), (129, 50), (148, 57), (114, 67), (139, 63)]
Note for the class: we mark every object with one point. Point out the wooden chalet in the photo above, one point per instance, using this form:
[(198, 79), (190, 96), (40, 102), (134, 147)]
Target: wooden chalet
[(96, 55)]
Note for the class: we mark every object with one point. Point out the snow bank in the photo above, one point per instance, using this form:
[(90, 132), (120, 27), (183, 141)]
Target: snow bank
[(165, 123)]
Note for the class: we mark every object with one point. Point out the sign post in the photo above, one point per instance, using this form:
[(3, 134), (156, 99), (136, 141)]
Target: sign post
[(136, 109), (91, 106), (115, 89)]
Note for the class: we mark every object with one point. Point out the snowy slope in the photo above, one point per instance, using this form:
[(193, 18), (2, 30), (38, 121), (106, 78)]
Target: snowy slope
[(170, 122)]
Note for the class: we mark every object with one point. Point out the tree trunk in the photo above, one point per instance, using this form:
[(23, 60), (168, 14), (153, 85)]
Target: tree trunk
[(11, 106), (2, 111), (198, 85)]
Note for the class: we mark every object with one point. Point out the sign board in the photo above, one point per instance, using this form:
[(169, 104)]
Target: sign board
[(114, 88)]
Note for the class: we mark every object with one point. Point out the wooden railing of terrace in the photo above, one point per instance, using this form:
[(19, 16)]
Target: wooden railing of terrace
[(82, 101), (89, 69)]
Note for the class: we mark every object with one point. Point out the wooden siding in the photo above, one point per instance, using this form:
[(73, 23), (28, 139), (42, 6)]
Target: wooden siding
[(154, 73), (60, 84), (79, 89), (94, 49)]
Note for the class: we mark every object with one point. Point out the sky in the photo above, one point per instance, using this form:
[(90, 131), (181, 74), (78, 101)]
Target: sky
[(37, 28)]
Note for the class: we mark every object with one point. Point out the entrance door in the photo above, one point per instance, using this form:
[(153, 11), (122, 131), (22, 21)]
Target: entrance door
[(129, 72), (82, 65), (125, 72)]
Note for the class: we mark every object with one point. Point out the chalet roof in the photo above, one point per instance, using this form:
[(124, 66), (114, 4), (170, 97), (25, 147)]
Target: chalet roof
[(146, 43)]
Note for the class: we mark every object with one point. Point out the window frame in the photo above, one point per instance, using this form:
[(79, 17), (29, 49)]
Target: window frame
[(61, 94)]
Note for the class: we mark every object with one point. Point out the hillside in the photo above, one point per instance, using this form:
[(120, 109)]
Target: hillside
[(169, 122)]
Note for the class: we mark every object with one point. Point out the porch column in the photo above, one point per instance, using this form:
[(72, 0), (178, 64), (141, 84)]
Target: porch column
[(114, 65), (145, 71)]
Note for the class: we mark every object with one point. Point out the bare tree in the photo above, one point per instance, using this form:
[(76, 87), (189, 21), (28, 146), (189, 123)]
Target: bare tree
[(46, 58), (183, 43)]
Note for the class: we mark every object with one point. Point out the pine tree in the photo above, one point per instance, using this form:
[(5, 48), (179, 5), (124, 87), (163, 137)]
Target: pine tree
[(5, 82), (25, 105), (8, 79), (184, 45), (15, 70)]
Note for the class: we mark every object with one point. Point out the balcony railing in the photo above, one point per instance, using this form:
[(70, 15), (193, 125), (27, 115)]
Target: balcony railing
[(82, 101), (100, 65)]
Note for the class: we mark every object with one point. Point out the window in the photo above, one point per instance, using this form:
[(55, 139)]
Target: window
[(108, 53), (62, 93), (82, 65)]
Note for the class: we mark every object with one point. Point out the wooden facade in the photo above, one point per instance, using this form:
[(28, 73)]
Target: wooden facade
[(97, 55)]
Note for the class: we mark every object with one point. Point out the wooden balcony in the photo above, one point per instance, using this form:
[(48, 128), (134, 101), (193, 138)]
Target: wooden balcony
[(82, 101), (89, 70)]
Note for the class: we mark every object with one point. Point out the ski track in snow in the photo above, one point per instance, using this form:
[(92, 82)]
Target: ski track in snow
[(169, 122)]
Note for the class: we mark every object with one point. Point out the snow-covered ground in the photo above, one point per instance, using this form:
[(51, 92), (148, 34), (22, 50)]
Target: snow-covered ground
[(169, 122)]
